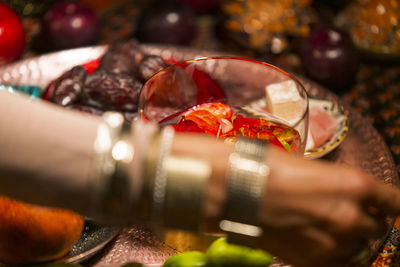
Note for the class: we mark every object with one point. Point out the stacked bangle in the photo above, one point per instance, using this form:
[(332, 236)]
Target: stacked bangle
[(171, 193), (179, 187), (168, 192), (247, 173), (110, 181)]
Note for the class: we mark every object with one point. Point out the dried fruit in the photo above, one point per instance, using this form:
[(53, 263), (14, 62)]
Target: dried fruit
[(112, 91), (149, 66), (88, 109), (66, 90), (122, 58)]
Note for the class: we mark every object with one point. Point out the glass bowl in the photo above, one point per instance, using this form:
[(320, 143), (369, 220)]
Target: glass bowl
[(253, 89)]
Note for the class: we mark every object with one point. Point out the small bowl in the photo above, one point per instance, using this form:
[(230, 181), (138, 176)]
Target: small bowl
[(237, 82)]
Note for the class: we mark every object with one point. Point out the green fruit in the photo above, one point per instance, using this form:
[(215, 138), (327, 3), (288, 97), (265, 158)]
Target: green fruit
[(132, 264), (187, 259), (59, 264), (222, 254)]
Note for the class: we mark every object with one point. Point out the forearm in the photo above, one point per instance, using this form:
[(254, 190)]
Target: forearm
[(47, 157), (46, 152)]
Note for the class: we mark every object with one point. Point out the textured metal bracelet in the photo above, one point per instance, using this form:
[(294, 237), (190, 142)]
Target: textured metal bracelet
[(247, 176)]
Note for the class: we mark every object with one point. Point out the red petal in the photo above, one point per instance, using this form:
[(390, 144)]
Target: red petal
[(187, 126), (205, 120), (91, 66)]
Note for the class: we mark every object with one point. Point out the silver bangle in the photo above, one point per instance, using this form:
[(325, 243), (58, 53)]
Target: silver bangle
[(111, 183), (179, 188), (186, 185), (247, 175)]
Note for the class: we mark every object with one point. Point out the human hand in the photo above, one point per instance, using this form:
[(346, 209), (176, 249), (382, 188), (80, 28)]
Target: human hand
[(321, 214), (313, 213)]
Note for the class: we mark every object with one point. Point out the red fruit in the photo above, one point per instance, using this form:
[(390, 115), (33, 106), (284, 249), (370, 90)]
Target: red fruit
[(329, 57), (70, 24), (12, 35), (167, 22)]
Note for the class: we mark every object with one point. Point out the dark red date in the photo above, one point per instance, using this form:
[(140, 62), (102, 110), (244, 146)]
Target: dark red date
[(66, 90), (112, 91), (122, 58), (149, 66)]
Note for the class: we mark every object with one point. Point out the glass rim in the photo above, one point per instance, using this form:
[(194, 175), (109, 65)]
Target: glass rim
[(205, 58)]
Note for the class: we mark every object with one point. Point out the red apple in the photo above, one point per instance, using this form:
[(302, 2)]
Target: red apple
[(12, 35)]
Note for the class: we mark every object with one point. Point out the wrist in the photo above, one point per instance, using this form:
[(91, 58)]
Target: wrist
[(117, 183), (110, 182)]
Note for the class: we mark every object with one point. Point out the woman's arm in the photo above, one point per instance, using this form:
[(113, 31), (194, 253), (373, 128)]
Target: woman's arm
[(45, 152)]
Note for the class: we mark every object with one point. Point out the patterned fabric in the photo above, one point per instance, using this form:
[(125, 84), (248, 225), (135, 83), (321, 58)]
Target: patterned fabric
[(376, 95), (390, 254)]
